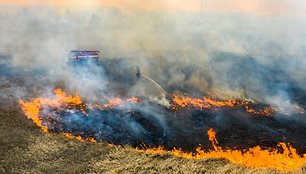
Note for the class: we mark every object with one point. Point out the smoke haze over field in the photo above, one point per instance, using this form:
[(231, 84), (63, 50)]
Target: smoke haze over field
[(228, 54), (258, 7), (190, 65)]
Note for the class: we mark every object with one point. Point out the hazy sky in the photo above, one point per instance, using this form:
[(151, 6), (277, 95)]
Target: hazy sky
[(249, 6)]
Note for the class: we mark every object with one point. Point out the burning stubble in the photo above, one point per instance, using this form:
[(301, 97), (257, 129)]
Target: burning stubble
[(156, 128), (252, 79)]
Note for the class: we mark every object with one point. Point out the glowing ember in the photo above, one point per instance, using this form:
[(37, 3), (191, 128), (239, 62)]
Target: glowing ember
[(285, 159), (264, 112)]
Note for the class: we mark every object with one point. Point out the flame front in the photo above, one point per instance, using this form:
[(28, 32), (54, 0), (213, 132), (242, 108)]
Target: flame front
[(206, 103), (31, 109), (203, 103), (284, 157), (287, 160)]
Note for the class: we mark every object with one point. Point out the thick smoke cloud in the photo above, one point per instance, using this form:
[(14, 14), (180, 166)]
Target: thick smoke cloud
[(229, 55)]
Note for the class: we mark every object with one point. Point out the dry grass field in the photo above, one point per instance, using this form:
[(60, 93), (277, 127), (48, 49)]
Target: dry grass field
[(24, 148)]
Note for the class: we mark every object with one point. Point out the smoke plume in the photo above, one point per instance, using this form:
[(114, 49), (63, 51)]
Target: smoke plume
[(227, 54)]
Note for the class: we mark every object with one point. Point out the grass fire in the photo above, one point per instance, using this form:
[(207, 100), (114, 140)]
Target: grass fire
[(152, 87), (68, 115)]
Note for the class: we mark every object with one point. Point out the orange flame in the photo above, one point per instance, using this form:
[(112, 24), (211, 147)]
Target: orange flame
[(285, 160), (31, 109), (288, 160), (265, 112), (68, 135), (206, 103), (202, 103)]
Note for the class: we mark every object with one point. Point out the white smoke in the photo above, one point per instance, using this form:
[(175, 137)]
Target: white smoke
[(175, 49)]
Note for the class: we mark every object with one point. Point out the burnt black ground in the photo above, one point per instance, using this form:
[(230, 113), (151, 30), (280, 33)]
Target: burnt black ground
[(24, 148), (185, 128), (154, 125)]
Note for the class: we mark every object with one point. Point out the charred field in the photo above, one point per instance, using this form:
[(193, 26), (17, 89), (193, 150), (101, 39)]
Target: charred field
[(27, 149), (156, 89)]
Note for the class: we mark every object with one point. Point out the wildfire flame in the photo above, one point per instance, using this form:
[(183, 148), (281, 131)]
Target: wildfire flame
[(201, 103), (206, 103), (31, 109), (284, 157)]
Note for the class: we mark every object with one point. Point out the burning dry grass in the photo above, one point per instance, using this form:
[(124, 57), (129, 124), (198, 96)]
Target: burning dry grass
[(25, 149), (206, 103), (286, 159)]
